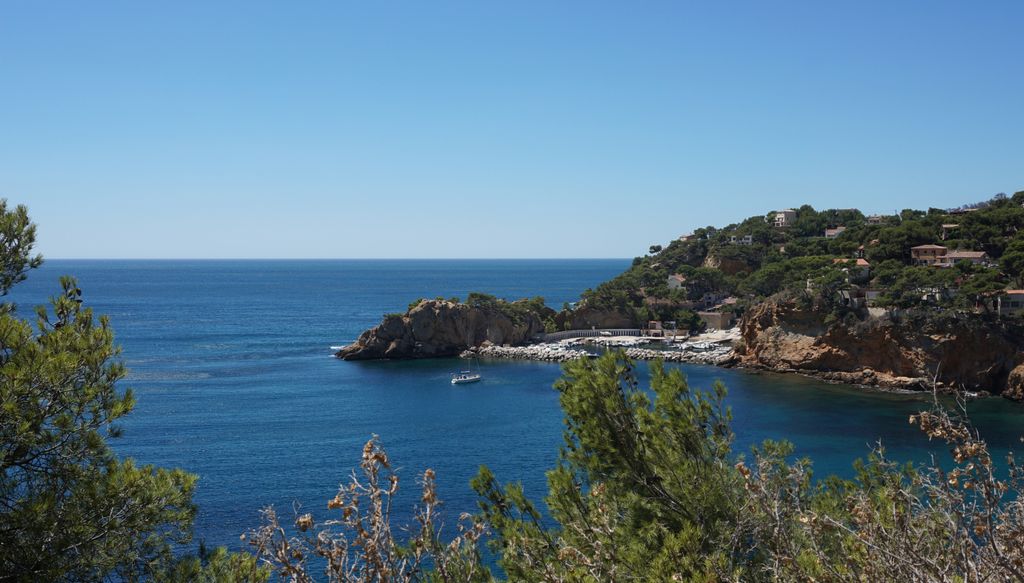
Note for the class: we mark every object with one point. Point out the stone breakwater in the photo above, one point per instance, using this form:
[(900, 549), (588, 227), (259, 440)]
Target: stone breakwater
[(543, 352), (716, 355)]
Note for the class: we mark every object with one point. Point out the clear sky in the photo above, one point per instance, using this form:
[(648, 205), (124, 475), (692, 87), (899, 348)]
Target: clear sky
[(491, 129)]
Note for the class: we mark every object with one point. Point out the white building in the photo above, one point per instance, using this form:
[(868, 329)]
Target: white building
[(785, 218), (1010, 303), (951, 257), (744, 240), (676, 281)]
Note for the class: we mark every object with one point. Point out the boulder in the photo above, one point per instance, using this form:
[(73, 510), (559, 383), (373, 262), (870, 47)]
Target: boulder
[(1015, 384)]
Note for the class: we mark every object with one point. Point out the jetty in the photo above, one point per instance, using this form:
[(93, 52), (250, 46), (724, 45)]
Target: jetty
[(713, 348)]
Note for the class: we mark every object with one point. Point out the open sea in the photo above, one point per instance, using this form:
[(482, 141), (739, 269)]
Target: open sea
[(235, 381)]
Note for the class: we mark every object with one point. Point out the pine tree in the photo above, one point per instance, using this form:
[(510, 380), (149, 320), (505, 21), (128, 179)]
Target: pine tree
[(70, 509)]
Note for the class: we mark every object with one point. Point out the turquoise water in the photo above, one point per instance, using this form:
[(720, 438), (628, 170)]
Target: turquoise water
[(234, 377)]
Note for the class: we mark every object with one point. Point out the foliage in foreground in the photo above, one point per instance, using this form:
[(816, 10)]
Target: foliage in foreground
[(647, 488), (359, 545), (70, 509)]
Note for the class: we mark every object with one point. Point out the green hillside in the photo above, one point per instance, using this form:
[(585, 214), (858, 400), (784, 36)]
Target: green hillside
[(756, 258)]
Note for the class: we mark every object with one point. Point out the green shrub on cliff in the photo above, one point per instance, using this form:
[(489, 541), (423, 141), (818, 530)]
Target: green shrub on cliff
[(518, 311)]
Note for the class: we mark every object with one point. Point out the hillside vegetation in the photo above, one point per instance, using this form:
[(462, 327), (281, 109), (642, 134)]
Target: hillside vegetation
[(755, 259)]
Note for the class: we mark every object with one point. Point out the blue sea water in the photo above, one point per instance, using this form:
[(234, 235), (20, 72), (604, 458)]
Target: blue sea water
[(235, 381)]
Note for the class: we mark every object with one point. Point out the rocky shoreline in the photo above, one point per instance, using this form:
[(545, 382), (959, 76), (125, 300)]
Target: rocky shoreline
[(723, 356), (897, 351), (902, 350)]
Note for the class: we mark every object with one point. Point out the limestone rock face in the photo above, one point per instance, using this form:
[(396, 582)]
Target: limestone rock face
[(1015, 384), (725, 265), (436, 328), (898, 350)]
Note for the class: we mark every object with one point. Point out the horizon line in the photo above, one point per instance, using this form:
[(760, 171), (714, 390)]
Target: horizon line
[(45, 258)]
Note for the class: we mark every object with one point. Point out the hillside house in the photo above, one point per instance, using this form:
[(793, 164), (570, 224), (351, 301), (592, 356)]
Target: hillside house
[(876, 219), (859, 297), (677, 281), (947, 229), (717, 320), (951, 257), (833, 233), (927, 254), (857, 270), (934, 295), (870, 295), (1010, 303), (711, 299), (744, 240), (852, 298), (785, 218), (961, 211)]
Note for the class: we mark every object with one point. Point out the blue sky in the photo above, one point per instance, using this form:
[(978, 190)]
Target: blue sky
[(485, 129)]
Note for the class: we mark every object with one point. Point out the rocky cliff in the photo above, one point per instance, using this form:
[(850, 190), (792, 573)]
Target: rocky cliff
[(436, 328), (892, 349)]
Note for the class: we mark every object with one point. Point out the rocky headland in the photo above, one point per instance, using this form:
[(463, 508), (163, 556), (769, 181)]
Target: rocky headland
[(437, 328)]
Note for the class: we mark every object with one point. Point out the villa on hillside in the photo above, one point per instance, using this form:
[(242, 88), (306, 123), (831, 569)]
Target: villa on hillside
[(857, 270), (876, 219), (711, 299), (744, 240), (961, 211), (927, 254), (1010, 303), (833, 233), (946, 229), (676, 281), (975, 257), (785, 218), (939, 256)]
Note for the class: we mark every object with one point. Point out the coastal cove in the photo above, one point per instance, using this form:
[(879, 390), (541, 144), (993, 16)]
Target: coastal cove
[(235, 381)]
